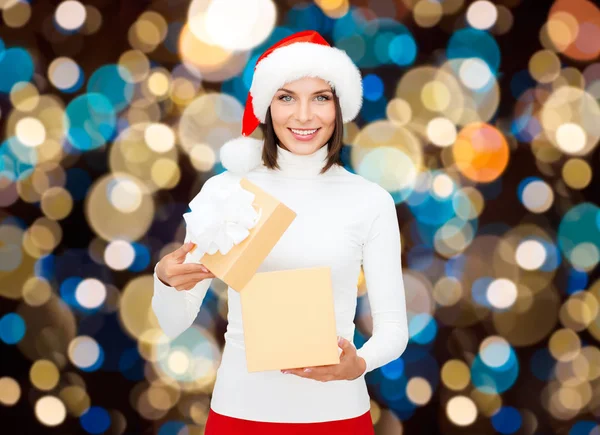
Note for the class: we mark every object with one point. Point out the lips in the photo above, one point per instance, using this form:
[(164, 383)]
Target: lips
[(304, 134)]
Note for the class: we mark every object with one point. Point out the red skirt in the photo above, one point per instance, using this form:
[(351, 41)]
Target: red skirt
[(218, 424)]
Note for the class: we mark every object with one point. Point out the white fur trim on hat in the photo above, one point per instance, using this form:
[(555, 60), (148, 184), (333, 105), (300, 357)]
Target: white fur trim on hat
[(306, 59), (241, 155)]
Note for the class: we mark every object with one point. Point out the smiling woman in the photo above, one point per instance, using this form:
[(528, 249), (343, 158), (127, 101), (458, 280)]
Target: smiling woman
[(303, 117)]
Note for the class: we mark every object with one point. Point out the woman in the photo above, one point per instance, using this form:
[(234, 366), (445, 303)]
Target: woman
[(302, 92)]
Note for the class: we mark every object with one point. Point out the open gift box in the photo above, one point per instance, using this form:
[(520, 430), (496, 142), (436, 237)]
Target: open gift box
[(246, 243), (289, 320)]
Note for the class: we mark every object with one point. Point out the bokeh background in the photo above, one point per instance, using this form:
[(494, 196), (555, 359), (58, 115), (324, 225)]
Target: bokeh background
[(481, 118)]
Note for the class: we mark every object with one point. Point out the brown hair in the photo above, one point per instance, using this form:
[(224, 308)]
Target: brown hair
[(334, 144)]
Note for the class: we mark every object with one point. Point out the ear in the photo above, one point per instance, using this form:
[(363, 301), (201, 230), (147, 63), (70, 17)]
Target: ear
[(241, 155)]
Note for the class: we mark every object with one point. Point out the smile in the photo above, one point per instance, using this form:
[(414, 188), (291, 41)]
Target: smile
[(303, 132)]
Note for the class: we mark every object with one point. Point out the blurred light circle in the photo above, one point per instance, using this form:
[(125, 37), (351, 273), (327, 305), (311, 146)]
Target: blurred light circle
[(57, 203), (441, 131), (211, 119), (165, 173), (570, 137), (159, 137), (481, 152), (468, 43), (10, 391), (30, 131), (495, 351), (461, 411), (403, 50), (507, 420), (50, 411), (435, 95), (65, 74), (17, 16), (91, 119), (95, 420), (125, 195), (502, 293), (381, 165), (536, 195), (203, 157), (235, 25), (210, 62), (418, 391), (119, 254), (148, 32), (475, 73), (75, 398), (427, 13), (17, 66), (136, 63), (456, 375), (482, 14), (136, 313), (491, 379), (399, 112), (530, 254), (544, 66), (577, 173), (576, 30), (178, 362), (36, 291), (70, 15), (44, 375), (158, 83), (372, 87), (119, 206), (569, 119), (90, 293), (564, 345), (579, 235), (85, 353), (443, 186), (12, 328), (115, 82)]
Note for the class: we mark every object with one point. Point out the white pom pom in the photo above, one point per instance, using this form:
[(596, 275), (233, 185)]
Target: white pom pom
[(241, 155)]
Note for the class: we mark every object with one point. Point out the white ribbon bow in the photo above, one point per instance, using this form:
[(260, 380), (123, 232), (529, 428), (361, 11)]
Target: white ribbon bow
[(222, 221)]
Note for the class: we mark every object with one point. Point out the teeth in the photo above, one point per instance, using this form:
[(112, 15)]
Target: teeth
[(304, 132)]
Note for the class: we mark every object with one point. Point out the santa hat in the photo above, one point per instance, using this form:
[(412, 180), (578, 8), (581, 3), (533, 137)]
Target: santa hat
[(303, 54)]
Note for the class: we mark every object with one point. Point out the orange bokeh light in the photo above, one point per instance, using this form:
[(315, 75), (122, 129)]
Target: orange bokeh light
[(481, 152)]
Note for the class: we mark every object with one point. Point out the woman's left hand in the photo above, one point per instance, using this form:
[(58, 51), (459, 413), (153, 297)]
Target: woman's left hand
[(351, 366)]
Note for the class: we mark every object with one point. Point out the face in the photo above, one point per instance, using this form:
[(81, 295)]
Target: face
[(303, 115)]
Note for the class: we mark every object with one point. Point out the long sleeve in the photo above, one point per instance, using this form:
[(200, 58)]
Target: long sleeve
[(385, 289), (177, 310)]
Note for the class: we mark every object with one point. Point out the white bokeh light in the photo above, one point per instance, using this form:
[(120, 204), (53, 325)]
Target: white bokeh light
[(119, 254), (502, 293), (482, 14), (232, 24), (530, 254), (475, 73), (70, 15), (90, 293)]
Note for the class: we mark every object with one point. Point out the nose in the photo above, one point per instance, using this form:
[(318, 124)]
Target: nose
[(303, 111)]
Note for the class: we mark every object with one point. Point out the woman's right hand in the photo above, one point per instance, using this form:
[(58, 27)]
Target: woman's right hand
[(173, 272)]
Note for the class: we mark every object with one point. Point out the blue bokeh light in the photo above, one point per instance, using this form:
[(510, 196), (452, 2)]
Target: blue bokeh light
[(372, 87), (16, 65), (95, 420), (12, 328), (507, 420), (92, 120)]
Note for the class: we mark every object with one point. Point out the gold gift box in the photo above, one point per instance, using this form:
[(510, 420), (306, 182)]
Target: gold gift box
[(238, 266), (289, 320)]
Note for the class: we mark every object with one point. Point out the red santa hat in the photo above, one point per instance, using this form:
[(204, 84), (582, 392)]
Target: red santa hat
[(303, 54)]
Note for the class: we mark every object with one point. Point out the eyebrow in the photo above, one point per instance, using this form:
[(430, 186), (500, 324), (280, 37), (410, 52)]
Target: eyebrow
[(314, 93)]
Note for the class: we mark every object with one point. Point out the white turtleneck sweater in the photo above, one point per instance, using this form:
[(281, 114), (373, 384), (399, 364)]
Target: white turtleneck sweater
[(342, 220)]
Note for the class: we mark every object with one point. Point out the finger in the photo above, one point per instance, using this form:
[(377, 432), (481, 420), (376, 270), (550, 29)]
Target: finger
[(181, 252), (182, 269), (190, 279), (346, 346)]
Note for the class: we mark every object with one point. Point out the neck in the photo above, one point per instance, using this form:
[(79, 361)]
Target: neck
[(301, 165)]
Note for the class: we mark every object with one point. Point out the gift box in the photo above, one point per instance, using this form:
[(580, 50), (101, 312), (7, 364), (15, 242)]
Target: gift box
[(234, 229), (289, 320)]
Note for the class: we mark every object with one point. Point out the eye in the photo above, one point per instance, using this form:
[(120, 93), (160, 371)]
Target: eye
[(323, 98), (285, 98)]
